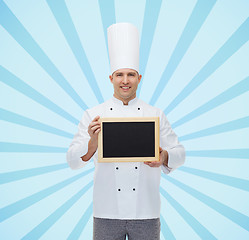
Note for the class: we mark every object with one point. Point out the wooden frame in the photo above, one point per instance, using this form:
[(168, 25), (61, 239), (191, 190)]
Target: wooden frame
[(156, 137)]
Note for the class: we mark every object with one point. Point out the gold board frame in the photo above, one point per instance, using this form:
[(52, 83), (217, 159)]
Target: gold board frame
[(129, 159)]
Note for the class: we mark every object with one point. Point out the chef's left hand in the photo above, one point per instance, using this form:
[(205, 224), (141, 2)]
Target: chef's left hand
[(163, 159)]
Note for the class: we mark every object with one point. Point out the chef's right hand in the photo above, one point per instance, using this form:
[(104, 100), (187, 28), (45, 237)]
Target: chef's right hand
[(93, 130)]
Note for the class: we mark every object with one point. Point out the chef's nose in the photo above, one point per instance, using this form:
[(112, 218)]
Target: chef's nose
[(125, 79)]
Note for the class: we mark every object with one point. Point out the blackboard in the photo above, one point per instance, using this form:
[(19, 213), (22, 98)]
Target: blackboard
[(128, 139)]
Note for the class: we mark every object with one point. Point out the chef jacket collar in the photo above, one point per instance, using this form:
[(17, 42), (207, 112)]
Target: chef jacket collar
[(119, 102)]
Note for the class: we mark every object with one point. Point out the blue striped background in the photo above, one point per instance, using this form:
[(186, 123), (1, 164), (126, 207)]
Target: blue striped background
[(54, 65)]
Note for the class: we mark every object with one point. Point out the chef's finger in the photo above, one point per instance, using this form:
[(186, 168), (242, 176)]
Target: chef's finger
[(94, 123), (96, 119), (152, 164), (97, 131), (94, 129), (148, 163)]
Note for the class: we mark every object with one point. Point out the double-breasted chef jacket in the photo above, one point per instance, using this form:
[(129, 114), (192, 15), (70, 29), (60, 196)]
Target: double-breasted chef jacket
[(126, 190)]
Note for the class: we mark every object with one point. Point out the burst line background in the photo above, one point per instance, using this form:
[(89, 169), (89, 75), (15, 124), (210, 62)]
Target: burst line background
[(54, 65)]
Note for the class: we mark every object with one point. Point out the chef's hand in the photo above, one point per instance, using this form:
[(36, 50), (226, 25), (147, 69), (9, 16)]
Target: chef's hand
[(163, 159), (93, 130)]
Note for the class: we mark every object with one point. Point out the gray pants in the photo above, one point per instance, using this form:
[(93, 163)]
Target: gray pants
[(116, 229)]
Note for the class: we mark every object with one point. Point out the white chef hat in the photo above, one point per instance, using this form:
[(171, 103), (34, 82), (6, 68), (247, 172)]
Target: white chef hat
[(123, 45)]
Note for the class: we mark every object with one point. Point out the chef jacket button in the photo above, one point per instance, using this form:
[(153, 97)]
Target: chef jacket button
[(110, 108), (135, 167), (138, 108), (119, 189), (134, 189), (117, 168)]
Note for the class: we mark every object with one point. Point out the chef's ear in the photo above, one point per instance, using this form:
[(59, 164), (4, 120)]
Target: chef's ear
[(139, 78), (111, 78)]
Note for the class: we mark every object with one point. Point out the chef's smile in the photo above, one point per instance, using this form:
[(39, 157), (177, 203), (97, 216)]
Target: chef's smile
[(125, 88)]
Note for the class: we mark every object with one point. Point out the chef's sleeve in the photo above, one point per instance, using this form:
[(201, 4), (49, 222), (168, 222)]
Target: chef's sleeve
[(79, 145), (169, 142)]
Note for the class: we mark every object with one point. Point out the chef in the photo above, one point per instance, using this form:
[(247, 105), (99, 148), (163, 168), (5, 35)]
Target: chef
[(126, 198)]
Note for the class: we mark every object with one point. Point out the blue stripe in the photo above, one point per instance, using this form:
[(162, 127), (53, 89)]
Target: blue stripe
[(22, 204), (168, 235), (238, 39), (75, 234), (60, 11), (39, 230), (22, 174), (27, 122), (20, 147), (221, 153), (233, 215), (152, 10), (107, 11), (227, 180), (225, 127), (12, 81), (233, 92), (202, 232), (196, 20), (14, 27)]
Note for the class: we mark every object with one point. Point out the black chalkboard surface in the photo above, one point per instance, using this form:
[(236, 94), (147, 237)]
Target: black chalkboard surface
[(128, 139)]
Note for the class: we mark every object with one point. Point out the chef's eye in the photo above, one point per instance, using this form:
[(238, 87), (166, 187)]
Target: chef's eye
[(119, 74), (131, 74)]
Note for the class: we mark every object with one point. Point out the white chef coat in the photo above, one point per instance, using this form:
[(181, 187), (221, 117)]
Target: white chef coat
[(126, 190)]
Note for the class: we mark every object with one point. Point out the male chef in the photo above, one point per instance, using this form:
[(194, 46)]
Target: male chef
[(126, 198)]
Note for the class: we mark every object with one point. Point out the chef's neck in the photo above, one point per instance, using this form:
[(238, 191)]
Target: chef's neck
[(124, 100)]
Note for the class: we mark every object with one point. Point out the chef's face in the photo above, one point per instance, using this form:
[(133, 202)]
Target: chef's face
[(125, 82)]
